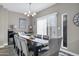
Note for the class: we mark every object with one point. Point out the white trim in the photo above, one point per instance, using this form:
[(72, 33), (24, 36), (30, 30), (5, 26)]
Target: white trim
[(74, 54), (62, 29), (5, 44), (46, 16), (2, 46), (63, 46)]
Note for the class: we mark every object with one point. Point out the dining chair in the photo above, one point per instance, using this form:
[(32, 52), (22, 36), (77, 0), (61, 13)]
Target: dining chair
[(17, 44), (24, 51), (54, 47), (38, 36), (45, 37)]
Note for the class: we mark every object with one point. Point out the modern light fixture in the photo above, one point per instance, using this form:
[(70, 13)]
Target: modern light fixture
[(30, 13)]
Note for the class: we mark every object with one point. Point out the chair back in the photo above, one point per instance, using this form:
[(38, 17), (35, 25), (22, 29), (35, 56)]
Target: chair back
[(17, 44), (54, 46), (17, 41), (24, 46), (38, 36), (15, 38), (45, 37)]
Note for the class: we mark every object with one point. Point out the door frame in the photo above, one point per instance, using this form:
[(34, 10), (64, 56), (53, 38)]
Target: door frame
[(62, 30)]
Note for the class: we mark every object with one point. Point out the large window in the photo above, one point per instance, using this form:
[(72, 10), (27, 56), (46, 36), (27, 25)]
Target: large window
[(42, 26), (47, 25)]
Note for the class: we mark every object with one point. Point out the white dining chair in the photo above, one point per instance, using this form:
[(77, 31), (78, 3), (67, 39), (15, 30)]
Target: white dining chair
[(54, 47), (17, 44), (24, 46)]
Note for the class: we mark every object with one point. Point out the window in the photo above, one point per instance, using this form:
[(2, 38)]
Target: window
[(47, 25), (64, 30), (52, 25), (42, 26), (22, 23)]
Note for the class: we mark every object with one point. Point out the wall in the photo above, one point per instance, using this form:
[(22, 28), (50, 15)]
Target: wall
[(9, 18), (3, 26), (14, 20), (72, 31)]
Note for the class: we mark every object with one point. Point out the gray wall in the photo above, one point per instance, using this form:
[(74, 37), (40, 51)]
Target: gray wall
[(9, 18), (14, 20), (72, 31), (3, 26)]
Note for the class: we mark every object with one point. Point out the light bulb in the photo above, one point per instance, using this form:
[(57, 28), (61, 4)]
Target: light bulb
[(29, 12), (34, 13), (28, 15), (25, 13)]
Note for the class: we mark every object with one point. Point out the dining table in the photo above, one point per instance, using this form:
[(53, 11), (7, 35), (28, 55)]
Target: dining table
[(38, 43)]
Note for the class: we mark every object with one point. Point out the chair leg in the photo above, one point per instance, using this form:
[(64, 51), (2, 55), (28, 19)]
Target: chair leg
[(35, 51), (21, 52), (18, 51)]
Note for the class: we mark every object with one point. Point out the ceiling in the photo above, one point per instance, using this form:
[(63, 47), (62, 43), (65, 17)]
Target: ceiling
[(23, 7)]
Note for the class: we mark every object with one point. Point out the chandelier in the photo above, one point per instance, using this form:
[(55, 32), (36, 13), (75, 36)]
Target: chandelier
[(30, 13)]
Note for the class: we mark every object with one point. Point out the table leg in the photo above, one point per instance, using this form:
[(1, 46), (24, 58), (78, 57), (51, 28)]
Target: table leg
[(36, 51)]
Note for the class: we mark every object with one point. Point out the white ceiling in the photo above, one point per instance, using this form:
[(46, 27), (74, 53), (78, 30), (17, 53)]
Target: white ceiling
[(23, 7)]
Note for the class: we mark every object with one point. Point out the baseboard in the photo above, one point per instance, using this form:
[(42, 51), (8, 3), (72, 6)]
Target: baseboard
[(3, 45), (74, 54)]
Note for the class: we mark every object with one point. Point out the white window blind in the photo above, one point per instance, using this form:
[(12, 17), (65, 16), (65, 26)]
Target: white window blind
[(42, 26), (52, 25), (47, 25)]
